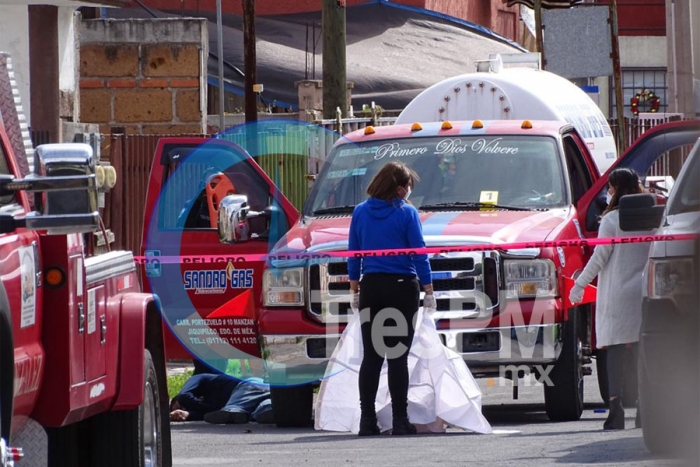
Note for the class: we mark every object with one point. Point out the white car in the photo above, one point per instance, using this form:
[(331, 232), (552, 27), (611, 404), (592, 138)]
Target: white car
[(669, 345)]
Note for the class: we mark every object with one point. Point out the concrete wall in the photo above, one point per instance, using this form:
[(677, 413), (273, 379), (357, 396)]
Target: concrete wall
[(14, 39), (695, 41), (643, 51), (68, 53), (146, 75), (679, 25)]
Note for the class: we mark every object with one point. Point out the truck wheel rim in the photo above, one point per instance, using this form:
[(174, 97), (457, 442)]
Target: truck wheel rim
[(150, 429), (579, 366)]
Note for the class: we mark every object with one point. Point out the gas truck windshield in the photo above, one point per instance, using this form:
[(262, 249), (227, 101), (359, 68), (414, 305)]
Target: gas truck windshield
[(455, 173)]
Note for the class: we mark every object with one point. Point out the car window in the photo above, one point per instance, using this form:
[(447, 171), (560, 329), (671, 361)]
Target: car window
[(183, 202), (579, 176), (687, 196)]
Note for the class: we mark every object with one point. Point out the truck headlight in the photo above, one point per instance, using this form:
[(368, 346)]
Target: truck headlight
[(283, 287), (669, 278), (530, 278)]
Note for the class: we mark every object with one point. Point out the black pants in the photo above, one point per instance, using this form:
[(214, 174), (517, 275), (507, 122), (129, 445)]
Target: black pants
[(621, 361), (381, 297)]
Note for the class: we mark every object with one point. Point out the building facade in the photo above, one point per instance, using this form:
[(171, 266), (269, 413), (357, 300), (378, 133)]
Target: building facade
[(656, 54), (41, 37)]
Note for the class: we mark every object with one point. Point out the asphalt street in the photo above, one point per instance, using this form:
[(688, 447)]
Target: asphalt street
[(523, 436)]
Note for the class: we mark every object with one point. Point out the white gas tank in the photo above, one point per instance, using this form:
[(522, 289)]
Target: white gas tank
[(516, 93)]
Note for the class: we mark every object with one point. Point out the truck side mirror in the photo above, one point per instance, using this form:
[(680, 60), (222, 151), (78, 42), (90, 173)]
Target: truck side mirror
[(640, 212), (233, 225), (65, 187)]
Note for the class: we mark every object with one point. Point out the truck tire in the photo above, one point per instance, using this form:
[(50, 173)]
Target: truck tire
[(292, 406), (564, 398), (131, 438)]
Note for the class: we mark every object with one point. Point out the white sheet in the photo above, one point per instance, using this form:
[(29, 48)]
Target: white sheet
[(442, 390)]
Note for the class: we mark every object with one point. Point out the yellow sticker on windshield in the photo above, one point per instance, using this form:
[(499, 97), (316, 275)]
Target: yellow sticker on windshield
[(489, 197)]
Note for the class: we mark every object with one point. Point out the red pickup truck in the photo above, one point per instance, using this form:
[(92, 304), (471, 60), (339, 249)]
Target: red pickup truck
[(82, 363), (483, 184)]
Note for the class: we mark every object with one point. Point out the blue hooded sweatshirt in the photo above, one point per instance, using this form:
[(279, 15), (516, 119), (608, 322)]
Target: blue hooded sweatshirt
[(386, 225)]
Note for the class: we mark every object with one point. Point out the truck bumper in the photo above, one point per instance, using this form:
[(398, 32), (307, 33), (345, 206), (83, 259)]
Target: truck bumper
[(299, 359)]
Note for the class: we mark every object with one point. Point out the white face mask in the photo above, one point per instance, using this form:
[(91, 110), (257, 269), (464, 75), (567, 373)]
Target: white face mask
[(608, 198), (408, 193)]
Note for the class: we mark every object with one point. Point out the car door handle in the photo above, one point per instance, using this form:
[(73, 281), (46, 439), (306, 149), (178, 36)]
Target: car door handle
[(37, 263), (81, 318), (103, 330)]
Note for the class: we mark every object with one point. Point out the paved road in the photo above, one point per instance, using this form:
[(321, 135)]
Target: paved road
[(523, 437)]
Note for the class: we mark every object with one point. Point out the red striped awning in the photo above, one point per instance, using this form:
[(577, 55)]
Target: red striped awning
[(547, 4)]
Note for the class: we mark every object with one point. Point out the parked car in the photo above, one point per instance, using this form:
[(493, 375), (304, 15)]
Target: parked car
[(669, 345)]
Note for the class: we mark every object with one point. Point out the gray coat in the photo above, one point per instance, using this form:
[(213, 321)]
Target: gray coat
[(619, 269)]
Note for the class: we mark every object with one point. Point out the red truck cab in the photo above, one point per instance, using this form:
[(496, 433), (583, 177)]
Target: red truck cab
[(82, 367), (485, 185), (181, 220)]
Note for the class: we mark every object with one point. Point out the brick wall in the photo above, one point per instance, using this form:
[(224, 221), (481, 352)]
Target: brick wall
[(146, 75)]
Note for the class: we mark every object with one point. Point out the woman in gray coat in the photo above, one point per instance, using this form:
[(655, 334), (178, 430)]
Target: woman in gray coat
[(619, 300)]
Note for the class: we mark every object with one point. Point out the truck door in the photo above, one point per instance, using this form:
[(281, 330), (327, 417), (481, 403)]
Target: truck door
[(20, 273), (181, 221), (649, 147)]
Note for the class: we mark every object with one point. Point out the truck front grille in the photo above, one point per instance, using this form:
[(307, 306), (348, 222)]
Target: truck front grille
[(466, 286)]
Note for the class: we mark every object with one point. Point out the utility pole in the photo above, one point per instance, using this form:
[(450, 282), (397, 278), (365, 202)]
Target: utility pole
[(335, 86), (249, 59), (617, 78)]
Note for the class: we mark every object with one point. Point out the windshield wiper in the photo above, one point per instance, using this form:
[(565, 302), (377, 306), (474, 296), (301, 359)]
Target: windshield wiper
[(472, 205), (334, 210)]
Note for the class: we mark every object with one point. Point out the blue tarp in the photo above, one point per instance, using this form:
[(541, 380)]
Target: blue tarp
[(393, 51)]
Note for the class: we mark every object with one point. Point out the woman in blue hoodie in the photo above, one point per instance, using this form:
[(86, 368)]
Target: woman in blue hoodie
[(389, 290)]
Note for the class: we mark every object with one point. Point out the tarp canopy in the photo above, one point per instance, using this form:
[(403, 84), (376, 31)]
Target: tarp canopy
[(393, 51)]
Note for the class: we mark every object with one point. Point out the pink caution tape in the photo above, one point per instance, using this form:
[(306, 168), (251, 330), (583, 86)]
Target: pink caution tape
[(590, 242)]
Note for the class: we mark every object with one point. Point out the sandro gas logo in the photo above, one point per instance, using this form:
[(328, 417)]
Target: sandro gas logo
[(213, 281)]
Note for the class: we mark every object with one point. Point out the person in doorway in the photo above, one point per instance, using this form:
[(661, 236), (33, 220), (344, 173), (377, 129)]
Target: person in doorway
[(619, 298), (220, 399), (389, 290)]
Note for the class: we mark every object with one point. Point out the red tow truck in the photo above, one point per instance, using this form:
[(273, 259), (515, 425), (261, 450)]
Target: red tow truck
[(483, 184), (82, 364)]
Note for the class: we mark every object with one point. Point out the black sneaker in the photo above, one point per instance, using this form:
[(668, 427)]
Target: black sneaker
[(267, 417), (222, 417), (368, 427), (401, 426), (616, 417)]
